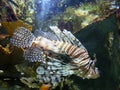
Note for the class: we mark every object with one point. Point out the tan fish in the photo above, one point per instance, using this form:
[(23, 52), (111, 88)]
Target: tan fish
[(82, 63)]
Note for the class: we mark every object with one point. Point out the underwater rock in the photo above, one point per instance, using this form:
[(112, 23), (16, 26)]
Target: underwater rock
[(101, 38), (6, 12)]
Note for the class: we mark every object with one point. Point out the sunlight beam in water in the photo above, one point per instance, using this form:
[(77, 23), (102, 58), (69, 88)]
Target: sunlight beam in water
[(42, 9)]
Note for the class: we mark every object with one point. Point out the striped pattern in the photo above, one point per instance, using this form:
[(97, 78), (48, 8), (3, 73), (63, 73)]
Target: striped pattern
[(85, 67), (66, 36), (80, 60)]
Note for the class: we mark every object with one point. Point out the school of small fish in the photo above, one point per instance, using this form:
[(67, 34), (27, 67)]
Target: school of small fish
[(53, 67)]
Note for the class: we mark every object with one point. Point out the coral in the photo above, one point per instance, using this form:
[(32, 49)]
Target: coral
[(81, 16), (24, 10), (6, 12)]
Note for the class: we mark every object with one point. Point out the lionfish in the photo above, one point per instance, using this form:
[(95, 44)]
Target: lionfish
[(58, 42)]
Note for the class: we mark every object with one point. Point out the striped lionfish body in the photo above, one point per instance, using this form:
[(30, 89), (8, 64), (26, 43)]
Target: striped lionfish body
[(80, 63)]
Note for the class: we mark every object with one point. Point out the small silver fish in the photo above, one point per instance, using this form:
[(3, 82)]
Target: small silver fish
[(53, 72)]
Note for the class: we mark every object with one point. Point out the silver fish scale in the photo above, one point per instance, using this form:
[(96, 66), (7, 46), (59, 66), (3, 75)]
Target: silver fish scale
[(53, 79), (40, 70), (54, 63), (22, 38), (50, 69), (53, 72), (34, 54)]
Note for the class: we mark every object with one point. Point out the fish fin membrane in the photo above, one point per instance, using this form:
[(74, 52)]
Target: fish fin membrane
[(45, 34), (59, 34), (66, 36), (22, 37), (34, 54), (72, 38)]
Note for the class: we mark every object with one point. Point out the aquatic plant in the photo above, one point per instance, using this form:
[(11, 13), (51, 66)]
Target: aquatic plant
[(83, 15), (104, 40), (78, 17), (11, 26), (24, 10)]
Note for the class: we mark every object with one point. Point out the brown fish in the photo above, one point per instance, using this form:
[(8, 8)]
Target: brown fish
[(80, 59)]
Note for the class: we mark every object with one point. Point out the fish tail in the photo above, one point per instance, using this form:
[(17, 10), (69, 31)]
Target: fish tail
[(80, 59)]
